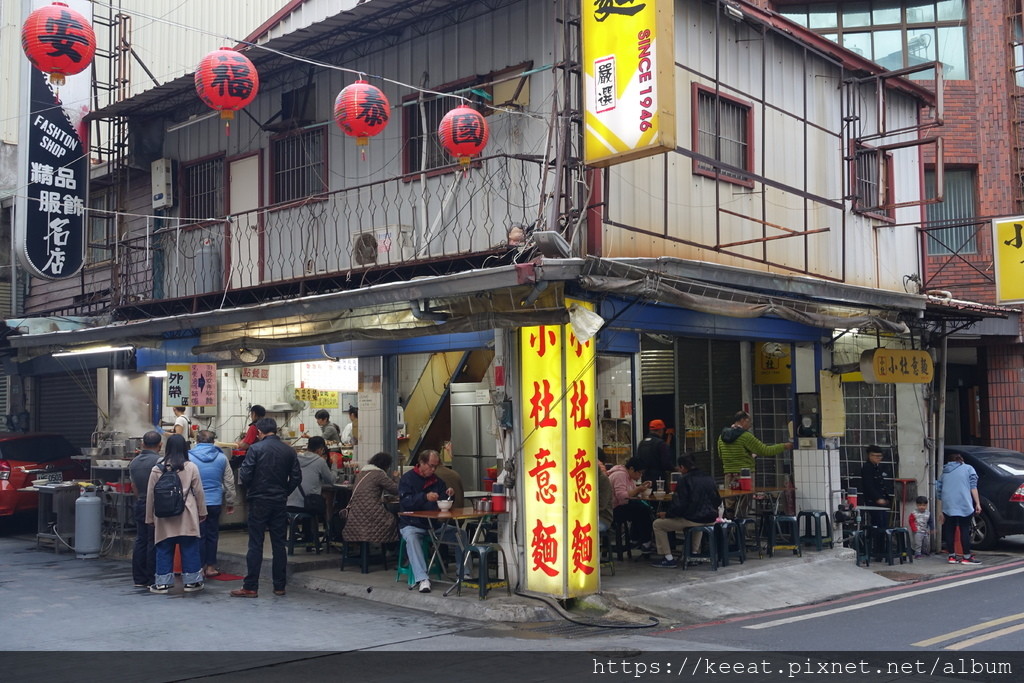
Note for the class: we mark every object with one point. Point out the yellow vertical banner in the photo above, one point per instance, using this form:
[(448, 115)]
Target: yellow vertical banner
[(1008, 248), (581, 462), (629, 89), (541, 390)]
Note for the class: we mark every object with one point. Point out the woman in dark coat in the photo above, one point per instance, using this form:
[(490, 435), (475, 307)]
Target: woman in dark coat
[(368, 519)]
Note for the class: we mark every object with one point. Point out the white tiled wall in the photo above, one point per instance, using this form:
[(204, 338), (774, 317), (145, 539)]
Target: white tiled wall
[(816, 477), (614, 384)]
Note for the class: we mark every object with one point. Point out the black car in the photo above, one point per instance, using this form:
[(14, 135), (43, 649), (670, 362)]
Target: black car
[(1001, 489)]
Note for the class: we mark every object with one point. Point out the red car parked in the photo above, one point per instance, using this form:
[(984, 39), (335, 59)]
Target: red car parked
[(25, 457)]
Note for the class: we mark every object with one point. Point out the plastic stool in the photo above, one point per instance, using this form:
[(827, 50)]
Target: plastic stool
[(364, 555), (483, 581), (621, 546), (404, 569), (313, 521), (815, 528), (730, 542), (605, 542), (897, 544), (860, 541), (709, 534), (786, 526), (750, 541)]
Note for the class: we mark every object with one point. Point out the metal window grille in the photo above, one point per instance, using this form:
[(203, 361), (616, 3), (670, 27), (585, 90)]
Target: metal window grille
[(424, 147), (298, 163), (723, 138), (870, 164), (772, 406), (870, 419), (100, 228), (957, 206), (204, 189)]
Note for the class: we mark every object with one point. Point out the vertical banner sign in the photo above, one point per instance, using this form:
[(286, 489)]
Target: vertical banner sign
[(203, 384), (629, 91), (53, 162), (559, 462), (179, 383), (581, 456), (1008, 245)]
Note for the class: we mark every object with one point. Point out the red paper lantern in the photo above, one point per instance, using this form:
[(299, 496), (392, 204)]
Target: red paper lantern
[(361, 111), (58, 41), (463, 132), (226, 81)]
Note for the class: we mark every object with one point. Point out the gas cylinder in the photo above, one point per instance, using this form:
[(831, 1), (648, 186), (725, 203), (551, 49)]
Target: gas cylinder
[(88, 524)]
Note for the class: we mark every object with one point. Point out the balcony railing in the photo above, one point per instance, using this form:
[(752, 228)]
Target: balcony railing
[(340, 239)]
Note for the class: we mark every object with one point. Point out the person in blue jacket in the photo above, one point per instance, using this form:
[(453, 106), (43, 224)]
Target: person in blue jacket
[(957, 488), (219, 488)]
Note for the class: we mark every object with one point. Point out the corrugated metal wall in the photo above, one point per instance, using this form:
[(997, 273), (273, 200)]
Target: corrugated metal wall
[(66, 404)]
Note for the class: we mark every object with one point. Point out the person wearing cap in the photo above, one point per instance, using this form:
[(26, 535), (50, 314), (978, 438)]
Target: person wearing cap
[(654, 453), (350, 433)]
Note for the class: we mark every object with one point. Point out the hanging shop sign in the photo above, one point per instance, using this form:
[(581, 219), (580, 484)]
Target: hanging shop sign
[(559, 461), (896, 366), (1008, 248), (629, 90), (191, 385), (53, 164), (318, 398), (774, 363)]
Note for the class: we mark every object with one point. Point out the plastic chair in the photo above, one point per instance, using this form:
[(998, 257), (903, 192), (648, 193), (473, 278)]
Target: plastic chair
[(860, 541), (815, 528), (783, 534), (311, 527), (404, 569), (751, 541), (712, 552), (731, 543), (606, 561), (483, 581), (621, 546)]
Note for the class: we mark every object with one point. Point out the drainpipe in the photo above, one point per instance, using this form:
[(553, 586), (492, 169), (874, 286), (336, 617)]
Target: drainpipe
[(419, 310)]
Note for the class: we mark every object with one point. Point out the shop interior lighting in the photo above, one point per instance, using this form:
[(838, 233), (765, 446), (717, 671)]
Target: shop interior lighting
[(733, 11), (93, 349), (157, 373)]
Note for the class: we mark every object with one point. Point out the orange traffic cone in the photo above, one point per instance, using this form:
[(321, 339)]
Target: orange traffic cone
[(177, 559)]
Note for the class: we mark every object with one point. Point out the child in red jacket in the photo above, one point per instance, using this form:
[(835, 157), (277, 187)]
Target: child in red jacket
[(921, 527)]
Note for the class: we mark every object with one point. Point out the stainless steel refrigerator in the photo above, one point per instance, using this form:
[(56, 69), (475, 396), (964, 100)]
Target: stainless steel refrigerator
[(473, 432)]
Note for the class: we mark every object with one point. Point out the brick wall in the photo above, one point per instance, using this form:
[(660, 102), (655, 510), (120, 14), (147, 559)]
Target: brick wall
[(1002, 407)]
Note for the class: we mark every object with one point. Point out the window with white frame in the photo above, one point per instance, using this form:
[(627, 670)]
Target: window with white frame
[(723, 130), (101, 226), (956, 210), (299, 165), (203, 189), (894, 33)]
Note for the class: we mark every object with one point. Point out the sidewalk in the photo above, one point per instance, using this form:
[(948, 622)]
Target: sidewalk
[(635, 593)]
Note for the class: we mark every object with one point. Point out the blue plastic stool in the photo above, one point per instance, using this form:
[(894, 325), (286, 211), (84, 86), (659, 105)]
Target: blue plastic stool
[(483, 581), (783, 528), (364, 555), (404, 569), (709, 534), (309, 522), (731, 542), (815, 528), (897, 544)]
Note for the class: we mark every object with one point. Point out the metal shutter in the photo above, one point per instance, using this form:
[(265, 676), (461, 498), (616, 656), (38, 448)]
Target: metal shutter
[(66, 405)]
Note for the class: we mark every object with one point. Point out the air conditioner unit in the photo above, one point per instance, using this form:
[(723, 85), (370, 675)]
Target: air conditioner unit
[(387, 245), (204, 411), (162, 178)]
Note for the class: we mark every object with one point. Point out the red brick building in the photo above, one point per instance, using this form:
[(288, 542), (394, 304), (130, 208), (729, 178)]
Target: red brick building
[(981, 46)]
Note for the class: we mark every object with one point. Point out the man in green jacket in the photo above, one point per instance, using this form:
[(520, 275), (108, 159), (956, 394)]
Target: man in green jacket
[(738, 447)]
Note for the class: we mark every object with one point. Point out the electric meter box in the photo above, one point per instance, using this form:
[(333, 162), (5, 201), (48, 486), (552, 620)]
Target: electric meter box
[(162, 175)]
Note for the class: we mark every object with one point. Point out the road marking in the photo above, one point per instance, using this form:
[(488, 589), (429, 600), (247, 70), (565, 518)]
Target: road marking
[(987, 636), (970, 629), (881, 601)]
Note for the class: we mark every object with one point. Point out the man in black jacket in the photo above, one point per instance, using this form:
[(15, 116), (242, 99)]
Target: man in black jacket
[(875, 492), (144, 552), (654, 453), (695, 503), (269, 473)]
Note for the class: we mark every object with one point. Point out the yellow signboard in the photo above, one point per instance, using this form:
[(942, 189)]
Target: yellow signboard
[(318, 398), (1008, 248), (774, 363), (559, 461), (191, 385), (896, 366), (629, 89)]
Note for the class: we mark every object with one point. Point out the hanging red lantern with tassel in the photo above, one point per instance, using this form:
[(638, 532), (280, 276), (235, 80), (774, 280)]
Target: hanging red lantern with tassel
[(361, 111), (58, 41), (226, 81), (463, 132)]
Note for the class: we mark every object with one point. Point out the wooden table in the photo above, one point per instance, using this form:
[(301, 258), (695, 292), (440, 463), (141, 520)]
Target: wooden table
[(774, 494), (461, 517)]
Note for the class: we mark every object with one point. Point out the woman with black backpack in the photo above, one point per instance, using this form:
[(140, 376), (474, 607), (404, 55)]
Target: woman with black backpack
[(175, 504)]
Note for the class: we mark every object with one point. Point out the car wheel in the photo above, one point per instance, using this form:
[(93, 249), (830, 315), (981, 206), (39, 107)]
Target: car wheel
[(983, 532)]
